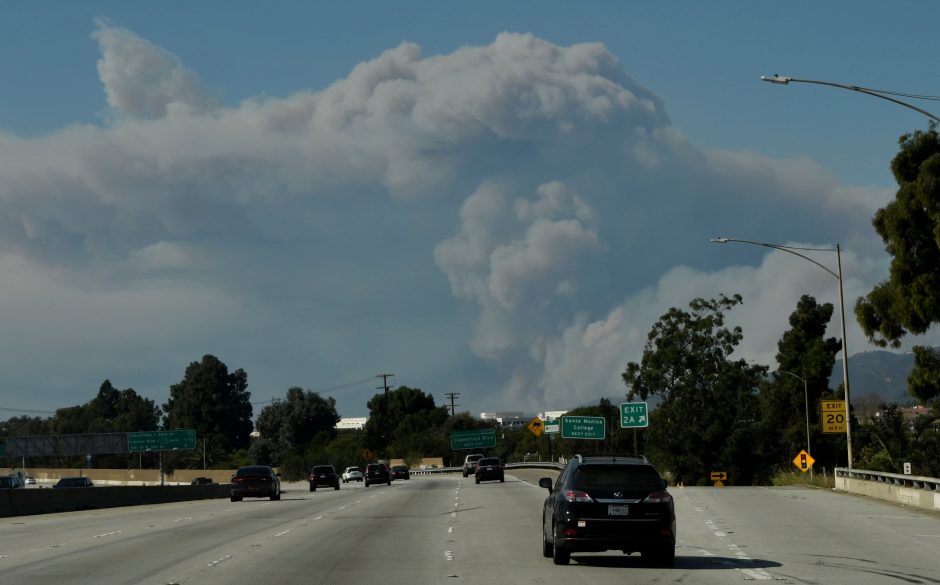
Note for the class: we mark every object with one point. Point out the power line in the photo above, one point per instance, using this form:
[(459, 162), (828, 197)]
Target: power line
[(321, 391)]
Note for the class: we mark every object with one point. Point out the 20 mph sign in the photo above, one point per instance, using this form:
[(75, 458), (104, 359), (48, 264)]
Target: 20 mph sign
[(832, 419)]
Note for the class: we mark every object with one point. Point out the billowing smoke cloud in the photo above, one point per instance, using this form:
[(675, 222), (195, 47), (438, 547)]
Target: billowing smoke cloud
[(541, 183)]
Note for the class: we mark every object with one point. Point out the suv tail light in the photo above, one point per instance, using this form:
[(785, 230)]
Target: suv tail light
[(577, 496), (658, 497)]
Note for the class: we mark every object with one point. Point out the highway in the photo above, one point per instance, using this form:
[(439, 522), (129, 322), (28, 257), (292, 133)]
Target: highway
[(446, 529)]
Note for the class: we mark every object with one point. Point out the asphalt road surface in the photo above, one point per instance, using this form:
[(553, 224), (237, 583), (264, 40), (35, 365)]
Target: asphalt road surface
[(446, 529)]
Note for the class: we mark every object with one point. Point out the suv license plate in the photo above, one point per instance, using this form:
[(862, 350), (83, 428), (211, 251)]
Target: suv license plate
[(618, 510)]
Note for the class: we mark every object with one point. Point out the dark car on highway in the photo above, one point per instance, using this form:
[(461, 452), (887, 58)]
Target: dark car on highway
[(400, 472), (489, 468), (255, 481), (377, 473), (323, 476), (73, 482), (202, 481), (608, 503)]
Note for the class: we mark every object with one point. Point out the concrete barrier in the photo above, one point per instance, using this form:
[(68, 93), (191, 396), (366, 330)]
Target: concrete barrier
[(22, 502), (907, 490)]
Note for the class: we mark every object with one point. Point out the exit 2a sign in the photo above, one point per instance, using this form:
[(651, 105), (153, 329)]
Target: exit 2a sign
[(633, 415)]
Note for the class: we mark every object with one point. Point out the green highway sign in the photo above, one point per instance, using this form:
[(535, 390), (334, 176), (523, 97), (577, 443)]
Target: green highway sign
[(583, 427), (633, 415), (180, 440), (476, 439)]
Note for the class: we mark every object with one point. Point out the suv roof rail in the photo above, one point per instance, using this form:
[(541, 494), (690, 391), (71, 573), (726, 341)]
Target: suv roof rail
[(581, 457)]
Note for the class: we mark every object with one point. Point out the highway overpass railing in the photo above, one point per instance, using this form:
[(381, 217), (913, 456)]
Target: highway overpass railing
[(907, 490)]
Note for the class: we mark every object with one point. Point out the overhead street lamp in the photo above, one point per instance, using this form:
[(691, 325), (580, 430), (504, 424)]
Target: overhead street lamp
[(885, 95), (806, 403), (838, 276)]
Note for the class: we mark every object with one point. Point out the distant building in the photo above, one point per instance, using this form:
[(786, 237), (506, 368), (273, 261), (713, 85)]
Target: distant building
[(552, 414), (352, 423), (508, 420)]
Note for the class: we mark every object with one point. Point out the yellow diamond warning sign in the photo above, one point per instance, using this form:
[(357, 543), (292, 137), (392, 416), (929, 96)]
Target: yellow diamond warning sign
[(803, 460), (536, 427)]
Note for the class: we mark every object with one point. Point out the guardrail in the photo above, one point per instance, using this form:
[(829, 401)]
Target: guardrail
[(528, 465), (908, 490), (436, 470), (911, 481)]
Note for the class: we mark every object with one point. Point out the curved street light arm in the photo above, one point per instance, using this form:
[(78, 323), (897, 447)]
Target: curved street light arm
[(781, 80), (788, 249), (792, 374)]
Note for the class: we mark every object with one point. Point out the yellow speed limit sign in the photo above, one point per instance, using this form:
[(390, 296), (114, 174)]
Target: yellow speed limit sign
[(832, 416)]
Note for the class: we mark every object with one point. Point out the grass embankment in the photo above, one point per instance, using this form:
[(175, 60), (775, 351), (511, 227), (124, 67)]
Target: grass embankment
[(785, 478)]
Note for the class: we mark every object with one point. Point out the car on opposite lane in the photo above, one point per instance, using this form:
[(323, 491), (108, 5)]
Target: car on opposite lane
[(255, 481), (489, 468), (377, 473), (323, 475), (608, 503)]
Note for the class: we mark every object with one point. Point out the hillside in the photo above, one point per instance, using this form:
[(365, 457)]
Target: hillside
[(876, 374)]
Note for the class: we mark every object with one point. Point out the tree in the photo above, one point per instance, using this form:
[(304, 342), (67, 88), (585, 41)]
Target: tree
[(403, 422), (116, 411), (24, 426), (804, 353), (909, 300), (110, 411), (212, 401), (288, 426), (708, 403)]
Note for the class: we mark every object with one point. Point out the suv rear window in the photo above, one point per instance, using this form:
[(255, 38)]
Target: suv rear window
[(323, 469), (639, 477), (252, 471)]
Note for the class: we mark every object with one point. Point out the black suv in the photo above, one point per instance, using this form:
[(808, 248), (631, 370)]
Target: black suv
[(377, 473), (608, 503), (323, 475), (489, 468)]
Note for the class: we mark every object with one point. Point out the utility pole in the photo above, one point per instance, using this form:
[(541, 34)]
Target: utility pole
[(386, 422), (453, 396)]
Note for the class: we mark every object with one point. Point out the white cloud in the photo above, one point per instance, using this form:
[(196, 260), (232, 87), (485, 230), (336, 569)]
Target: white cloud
[(141, 79), (541, 182)]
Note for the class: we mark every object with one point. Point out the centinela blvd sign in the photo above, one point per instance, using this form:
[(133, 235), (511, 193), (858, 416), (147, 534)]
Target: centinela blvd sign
[(583, 427), (476, 439), (633, 415)]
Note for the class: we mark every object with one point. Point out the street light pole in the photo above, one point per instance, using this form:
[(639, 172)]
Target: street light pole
[(782, 80), (845, 354), (806, 404)]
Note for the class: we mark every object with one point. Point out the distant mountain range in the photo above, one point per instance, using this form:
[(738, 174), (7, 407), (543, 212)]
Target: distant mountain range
[(876, 374)]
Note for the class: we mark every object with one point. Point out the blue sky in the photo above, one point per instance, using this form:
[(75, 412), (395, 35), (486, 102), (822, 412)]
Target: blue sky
[(496, 199)]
